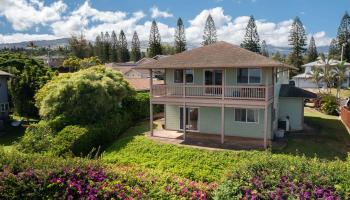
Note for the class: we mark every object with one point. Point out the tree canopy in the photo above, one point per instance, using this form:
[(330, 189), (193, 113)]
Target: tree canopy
[(180, 38), (343, 37), (251, 39), (135, 48), (209, 36), (154, 44), (123, 48), (264, 50), (297, 41), (29, 76), (84, 97), (312, 50)]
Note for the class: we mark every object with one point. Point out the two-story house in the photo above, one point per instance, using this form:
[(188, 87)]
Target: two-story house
[(224, 90)]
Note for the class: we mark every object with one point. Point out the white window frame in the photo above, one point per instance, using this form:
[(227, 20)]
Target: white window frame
[(246, 115), (237, 74)]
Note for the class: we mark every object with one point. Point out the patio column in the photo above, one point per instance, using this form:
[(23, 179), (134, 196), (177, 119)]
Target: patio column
[(265, 126), (223, 106), (184, 99), (222, 123), (150, 102)]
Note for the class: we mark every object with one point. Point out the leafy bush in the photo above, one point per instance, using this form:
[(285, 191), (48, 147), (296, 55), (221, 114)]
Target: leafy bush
[(137, 105), (329, 104), (82, 97), (67, 140), (37, 138)]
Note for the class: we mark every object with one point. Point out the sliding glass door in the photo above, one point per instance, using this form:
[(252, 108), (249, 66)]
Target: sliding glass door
[(191, 119)]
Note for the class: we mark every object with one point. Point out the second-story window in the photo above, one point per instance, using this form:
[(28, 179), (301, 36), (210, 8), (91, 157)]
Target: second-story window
[(178, 75), (249, 75), (189, 75)]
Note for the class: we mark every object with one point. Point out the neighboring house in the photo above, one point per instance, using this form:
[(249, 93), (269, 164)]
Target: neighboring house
[(4, 102), (137, 78), (225, 90), (305, 79)]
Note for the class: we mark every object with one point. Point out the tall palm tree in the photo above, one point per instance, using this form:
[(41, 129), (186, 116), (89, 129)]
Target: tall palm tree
[(328, 71), (317, 76), (339, 75)]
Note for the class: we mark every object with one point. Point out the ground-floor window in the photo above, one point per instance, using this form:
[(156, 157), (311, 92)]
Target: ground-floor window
[(246, 115), (4, 107)]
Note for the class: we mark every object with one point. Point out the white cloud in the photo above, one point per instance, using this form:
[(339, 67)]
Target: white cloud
[(23, 37), (156, 13), (23, 14), (92, 22)]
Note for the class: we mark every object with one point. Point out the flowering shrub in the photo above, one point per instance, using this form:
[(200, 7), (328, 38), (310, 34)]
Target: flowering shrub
[(286, 177), (35, 176)]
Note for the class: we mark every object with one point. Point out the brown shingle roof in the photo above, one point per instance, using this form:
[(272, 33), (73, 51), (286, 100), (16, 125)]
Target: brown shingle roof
[(218, 55), (142, 84)]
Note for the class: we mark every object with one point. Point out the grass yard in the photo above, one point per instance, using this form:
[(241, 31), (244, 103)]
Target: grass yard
[(344, 92), (328, 139)]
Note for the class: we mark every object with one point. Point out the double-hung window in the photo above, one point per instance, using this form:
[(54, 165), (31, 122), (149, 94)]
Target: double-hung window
[(249, 75), (179, 75), (246, 115)]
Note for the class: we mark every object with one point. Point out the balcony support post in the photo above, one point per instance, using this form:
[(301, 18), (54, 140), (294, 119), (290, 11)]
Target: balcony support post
[(265, 125), (223, 106), (150, 102), (184, 102)]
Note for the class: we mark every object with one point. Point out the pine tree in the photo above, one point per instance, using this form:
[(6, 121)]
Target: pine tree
[(106, 47), (333, 50), (123, 48), (154, 43), (114, 47), (251, 38), (98, 47), (343, 37), (264, 50), (135, 48), (209, 36), (180, 38), (312, 50), (297, 39)]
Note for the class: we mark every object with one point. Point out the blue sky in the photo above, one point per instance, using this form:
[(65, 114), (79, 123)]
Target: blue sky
[(25, 20)]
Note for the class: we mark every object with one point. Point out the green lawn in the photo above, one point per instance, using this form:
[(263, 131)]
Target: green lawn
[(328, 139), (344, 93)]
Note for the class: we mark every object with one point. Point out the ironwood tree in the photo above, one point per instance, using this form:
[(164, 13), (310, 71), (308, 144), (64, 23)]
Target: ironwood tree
[(251, 39), (154, 43), (312, 53), (180, 38), (114, 47), (264, 50), (123, 48), (209, 36), (297, 41), (135, 48), (343, 37)]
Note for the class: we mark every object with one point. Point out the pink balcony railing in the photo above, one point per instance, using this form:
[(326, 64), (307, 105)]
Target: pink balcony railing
[(205, 91)]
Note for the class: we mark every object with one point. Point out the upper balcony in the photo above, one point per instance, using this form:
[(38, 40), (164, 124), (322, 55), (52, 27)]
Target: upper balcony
[(262, 93)]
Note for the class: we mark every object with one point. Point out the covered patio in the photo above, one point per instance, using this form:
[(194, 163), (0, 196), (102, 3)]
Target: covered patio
[(205, 140)]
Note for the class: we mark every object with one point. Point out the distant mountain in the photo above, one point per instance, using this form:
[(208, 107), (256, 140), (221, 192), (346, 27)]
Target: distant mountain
[(39, 43), (144, 45)]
